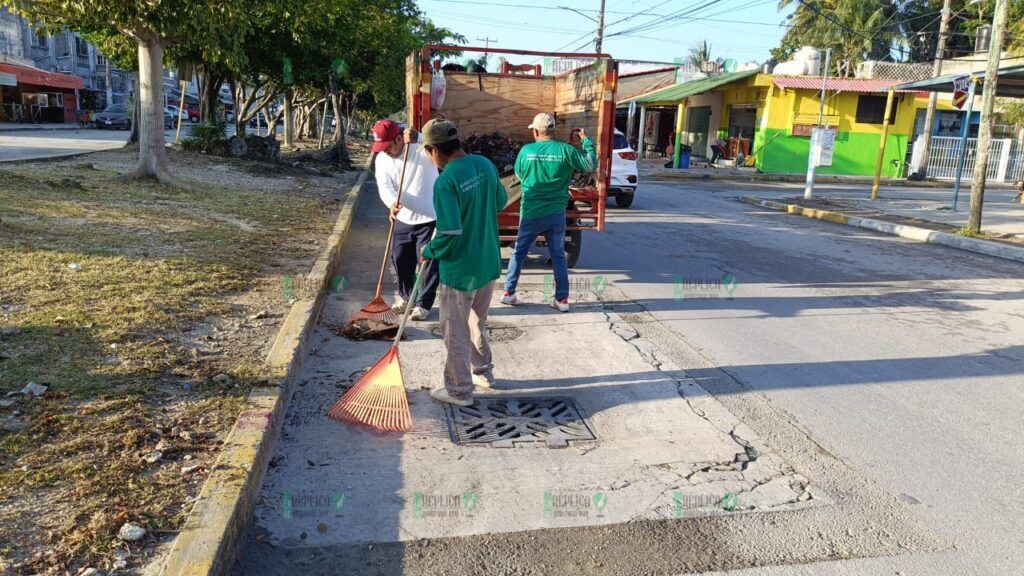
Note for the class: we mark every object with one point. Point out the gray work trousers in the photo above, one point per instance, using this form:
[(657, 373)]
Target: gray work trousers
[(464, 325)]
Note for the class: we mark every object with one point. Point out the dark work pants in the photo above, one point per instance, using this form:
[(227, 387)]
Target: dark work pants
[(407, 245)]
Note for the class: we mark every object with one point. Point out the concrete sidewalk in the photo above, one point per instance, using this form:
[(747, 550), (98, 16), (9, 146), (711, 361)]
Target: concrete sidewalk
[(1002, 214)]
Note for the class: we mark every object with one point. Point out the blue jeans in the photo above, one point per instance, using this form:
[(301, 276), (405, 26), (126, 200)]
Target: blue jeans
[(553, 229)]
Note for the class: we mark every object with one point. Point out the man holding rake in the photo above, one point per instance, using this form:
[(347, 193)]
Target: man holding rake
[(467, 198), (405, 183)]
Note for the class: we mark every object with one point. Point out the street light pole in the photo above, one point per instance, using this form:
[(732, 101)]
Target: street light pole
[(988, 100), (929, 116), (600, 29)]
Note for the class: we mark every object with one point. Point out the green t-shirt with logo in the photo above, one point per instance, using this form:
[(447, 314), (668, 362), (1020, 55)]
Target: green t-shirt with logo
[(545, 168), (467, 197)]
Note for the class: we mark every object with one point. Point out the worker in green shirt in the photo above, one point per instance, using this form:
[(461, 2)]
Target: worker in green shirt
[(545, 167), (467, 197)]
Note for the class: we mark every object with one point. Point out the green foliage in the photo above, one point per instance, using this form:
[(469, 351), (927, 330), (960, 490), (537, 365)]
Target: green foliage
[(699, 54), (1011, 110), (206, 137), (903, 30)]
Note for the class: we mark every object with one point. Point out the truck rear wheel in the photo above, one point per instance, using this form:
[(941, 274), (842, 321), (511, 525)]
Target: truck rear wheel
[(573, 246), (623, 199)]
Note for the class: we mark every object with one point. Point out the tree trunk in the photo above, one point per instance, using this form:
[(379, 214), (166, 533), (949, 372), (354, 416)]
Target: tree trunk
[(289, 119), (133, 135), (209, 95), (338, 152), (152, 154), (339, 134), (241, 105)]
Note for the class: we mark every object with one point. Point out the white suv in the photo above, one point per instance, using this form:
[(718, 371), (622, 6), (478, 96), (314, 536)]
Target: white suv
[(624, 172)]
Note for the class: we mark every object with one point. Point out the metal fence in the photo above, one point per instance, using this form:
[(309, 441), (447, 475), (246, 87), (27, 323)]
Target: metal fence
[(1006, 159)]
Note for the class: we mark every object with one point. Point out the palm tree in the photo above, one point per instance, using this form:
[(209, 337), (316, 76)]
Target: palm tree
[(699, 54)]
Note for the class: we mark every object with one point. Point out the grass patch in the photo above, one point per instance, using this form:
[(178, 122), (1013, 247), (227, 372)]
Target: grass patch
[(126, 298), (968, 233)]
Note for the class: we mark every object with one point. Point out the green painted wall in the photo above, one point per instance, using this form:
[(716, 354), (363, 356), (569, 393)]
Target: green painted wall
[(855, 154)]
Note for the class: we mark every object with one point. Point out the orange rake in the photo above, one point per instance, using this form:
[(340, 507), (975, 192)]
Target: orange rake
[(378, 399), (378, 309)]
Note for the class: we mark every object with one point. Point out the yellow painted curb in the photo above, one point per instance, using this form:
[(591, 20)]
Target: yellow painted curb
[(206, 544), (916, 233)]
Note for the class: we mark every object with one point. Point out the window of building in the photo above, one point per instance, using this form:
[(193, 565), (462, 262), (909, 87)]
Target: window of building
[(871, 110), (81, 46), (101, 60), (61, 44), (39, 40)]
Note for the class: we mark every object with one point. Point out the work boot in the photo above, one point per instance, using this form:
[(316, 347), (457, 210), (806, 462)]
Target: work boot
[(442, 395)]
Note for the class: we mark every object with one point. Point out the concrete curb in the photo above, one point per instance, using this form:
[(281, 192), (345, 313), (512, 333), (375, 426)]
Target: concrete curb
[(911, 232), (206, 544), (39, 128)]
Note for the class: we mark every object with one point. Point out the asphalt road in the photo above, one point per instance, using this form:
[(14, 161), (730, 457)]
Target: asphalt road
[(904, 360), (17, 145)]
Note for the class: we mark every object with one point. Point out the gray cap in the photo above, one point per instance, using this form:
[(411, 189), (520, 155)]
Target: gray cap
[(439, 131)]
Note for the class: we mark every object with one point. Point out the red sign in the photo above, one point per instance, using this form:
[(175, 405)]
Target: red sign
[(960, 87)]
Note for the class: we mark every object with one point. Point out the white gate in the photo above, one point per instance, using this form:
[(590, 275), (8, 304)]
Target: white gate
[(1006, 159)]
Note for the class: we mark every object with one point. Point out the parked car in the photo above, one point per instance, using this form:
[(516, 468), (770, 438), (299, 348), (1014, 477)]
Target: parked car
[(113, 116), (170, 117), (624, 172)]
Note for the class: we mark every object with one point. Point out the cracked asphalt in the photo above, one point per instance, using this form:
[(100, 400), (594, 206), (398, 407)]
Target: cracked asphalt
[(771, 395)]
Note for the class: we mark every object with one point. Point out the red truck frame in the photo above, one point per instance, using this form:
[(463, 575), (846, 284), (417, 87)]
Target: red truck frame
[(590, 105)]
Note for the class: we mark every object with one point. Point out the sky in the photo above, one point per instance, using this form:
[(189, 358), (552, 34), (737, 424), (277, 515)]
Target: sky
[(744, 30)]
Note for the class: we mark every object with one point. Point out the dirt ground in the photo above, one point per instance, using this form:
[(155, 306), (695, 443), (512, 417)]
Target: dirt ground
[(145, 312)]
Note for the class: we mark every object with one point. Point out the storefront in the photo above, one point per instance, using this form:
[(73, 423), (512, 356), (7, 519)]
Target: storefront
[(35, 95)]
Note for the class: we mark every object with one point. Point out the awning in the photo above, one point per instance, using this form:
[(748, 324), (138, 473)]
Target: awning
[(1011, 82), (675, 94), (861, 85), (633, 85), (27, 75), (8, 79)]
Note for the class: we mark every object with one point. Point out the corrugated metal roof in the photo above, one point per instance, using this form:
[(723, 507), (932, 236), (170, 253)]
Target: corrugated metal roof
[(834, 84), (674, 94), (1011, 82)]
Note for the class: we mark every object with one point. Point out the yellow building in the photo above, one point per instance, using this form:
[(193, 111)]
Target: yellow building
[(778, 112)]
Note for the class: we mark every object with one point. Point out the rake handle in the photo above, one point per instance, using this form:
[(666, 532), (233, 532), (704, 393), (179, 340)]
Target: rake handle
[(412, 298), (391, 230)]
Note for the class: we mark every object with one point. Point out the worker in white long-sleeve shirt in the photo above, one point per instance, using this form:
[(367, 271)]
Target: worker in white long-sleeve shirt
[(413, 215)]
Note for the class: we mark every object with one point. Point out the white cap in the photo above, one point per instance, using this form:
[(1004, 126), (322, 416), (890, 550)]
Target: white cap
[(542, 121)]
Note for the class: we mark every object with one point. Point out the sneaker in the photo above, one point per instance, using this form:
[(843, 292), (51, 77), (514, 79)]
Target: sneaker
[(419, 313), (399, 305), (561, 305), (441, 395), (482, 381), (510, 299)]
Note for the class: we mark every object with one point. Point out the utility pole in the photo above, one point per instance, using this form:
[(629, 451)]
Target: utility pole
[(487, 42), (988, 100), (929, 116), (812, 159), (600, 29)]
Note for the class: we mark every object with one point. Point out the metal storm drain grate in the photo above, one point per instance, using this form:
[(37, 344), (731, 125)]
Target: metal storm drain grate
[(503, 422)]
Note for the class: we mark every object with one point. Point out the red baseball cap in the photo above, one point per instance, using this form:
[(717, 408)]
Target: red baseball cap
[(384, 131)]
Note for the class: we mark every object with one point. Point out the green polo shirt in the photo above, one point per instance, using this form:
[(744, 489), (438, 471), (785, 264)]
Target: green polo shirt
[(467, 197), (545, 168)]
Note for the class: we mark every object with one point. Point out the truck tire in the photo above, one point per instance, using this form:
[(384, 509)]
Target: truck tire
[(573, 247), (624, 200)]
